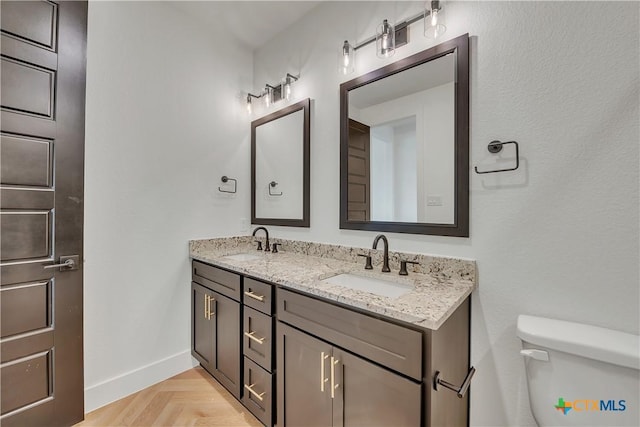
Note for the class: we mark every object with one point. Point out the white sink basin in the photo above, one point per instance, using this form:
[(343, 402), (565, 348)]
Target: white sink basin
[(380, 287), (243, 257)]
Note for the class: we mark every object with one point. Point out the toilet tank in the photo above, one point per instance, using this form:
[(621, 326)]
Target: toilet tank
[(580, 375)]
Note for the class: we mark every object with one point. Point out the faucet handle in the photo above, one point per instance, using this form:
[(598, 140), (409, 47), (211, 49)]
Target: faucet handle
[(275, 247), (368, 265), (403, 267), (259, 244)]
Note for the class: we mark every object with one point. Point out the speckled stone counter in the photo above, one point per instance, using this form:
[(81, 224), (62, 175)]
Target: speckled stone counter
[(439, 284)]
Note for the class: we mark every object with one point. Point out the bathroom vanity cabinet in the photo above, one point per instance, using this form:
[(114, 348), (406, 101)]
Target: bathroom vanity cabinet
[(303, 358), (215, 323), (349, 368)]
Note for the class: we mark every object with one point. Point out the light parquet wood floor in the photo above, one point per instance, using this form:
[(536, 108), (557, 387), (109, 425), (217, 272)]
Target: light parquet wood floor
[(191, 398)]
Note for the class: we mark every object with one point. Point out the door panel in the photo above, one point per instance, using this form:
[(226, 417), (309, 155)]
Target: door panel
[(370, 396), (32, 375), (25, 235), (302, 399), (43, 54), (25, 308), (25, 161), (27, 88), (32, 21), (19, 198)]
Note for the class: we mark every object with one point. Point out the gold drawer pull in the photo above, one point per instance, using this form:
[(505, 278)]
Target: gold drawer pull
[(334, 386), (252, 337), (211, 313), (323, 380), (257, 395), (206, 306), (254, 296)]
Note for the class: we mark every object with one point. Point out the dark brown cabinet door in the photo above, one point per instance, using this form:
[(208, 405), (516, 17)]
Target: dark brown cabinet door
[(303, 380), (42, 94), (227, 340), (322, 385), (367, 395), (215, 335), (203, 326)]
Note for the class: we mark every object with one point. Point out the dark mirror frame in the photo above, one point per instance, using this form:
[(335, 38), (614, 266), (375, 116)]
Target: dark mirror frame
[(460, 228), (305, 106)]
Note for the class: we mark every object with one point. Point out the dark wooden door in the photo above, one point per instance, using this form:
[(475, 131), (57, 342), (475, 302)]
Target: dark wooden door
[(358, 176), (43, 55), (369, 396), (303, 380), (203, 326), (227, 341)]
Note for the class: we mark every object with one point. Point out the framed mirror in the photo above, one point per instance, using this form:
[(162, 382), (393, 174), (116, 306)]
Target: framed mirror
[(404, 145), (280, 167)]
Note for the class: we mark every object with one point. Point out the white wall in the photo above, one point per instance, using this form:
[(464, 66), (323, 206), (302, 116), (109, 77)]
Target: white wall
[(559, 237), (381, 172), (405, 178), (164, 122), (392, 172)]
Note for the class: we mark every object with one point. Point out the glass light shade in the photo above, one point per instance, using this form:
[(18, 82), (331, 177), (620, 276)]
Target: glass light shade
[(346, 59), (286, 89), (434, 21), (267, 95), (385, 40), (249, 104)]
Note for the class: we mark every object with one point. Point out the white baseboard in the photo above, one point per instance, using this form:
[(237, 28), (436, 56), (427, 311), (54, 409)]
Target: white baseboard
[(130, 382)]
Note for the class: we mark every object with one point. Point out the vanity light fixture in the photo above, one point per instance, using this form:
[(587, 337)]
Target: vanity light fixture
[(271, 94), (389, 37)]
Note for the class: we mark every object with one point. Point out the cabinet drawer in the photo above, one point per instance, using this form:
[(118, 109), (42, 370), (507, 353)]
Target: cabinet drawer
[(217, 279), (258, 337), (258, 295), (258, 392), (388, 344)]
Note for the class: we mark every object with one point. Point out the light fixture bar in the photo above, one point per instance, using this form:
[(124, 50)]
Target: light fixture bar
[(401, 27), (274, 93)]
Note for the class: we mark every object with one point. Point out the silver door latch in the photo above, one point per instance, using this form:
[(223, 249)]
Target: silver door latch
[(67, 263)]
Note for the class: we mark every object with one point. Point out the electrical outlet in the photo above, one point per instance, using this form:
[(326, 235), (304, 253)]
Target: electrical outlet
[(434, 201)]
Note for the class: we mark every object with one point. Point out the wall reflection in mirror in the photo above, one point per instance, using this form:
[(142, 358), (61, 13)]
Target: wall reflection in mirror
[(280, 167), (407, 123), (404, 145)]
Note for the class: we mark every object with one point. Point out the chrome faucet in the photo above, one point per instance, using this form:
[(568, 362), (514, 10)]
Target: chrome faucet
[(385, 259), (267, 249)]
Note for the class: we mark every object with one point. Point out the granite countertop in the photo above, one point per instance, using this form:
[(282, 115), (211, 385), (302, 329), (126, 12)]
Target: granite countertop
[(437, 291)]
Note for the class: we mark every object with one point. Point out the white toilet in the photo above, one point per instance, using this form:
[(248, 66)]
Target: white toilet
[(580, 375)]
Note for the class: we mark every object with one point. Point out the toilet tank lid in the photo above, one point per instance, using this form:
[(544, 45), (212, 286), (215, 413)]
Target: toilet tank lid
[(593, 342)]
